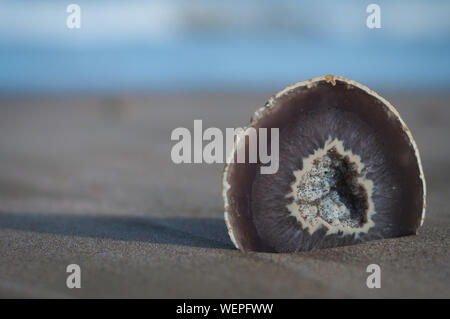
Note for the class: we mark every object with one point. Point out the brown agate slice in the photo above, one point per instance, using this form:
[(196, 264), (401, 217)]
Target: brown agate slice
[(349, 172)]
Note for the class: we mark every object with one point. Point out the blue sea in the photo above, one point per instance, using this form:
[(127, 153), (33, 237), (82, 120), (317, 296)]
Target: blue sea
[(171, 51)]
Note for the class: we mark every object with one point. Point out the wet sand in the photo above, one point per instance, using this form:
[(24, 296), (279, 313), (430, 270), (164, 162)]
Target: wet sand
[(90, 181)]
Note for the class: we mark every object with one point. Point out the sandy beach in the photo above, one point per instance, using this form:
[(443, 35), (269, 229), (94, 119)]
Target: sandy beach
[(90, 181)]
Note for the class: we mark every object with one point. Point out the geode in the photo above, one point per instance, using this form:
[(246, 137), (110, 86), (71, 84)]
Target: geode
[(349, 172)]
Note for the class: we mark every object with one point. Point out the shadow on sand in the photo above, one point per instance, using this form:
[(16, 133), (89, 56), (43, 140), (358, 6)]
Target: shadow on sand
[(183, 231)]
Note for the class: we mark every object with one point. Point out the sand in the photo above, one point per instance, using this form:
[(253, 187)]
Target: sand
[(89, 180)]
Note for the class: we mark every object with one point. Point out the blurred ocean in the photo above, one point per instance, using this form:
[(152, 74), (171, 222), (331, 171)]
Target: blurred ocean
[(217, 45)]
